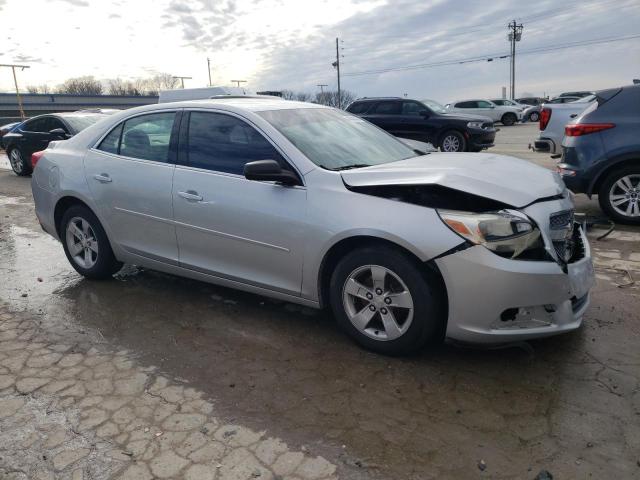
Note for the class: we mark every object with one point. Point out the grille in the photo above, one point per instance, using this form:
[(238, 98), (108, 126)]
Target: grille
[(561, 220), (562, 233)]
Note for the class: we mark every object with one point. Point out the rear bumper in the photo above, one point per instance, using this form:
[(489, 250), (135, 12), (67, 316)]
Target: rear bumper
[(545, 145), (494, 300)]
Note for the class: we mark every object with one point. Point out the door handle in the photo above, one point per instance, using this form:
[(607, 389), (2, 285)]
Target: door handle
[(103, 178), (191, 195)]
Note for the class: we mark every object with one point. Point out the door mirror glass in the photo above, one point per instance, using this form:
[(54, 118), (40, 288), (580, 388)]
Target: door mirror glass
[(269, 171)]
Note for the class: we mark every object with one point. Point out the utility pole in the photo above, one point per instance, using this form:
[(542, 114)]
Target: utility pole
[(337, 65), (209, 69), (15, 82), (182, 79), (515, 35), (238, 82), (322, 85)]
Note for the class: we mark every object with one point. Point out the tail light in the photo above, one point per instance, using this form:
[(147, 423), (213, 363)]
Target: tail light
[(545, 116), (579, 129), (35, 157)]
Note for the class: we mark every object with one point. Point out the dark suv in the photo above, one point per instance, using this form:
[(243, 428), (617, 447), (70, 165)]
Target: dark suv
[(601, 153), (414, 120)]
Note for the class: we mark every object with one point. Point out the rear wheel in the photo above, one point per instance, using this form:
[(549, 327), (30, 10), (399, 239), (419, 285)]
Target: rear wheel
[(382, 301), (534, 116), (86, 244), (509, 119), (619, 195), (19, 165), (452, 141)]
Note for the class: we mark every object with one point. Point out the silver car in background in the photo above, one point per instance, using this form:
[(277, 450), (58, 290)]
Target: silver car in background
[(315, 206)]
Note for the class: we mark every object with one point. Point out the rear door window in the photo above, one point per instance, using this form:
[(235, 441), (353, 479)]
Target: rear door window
[(147, 137), (387, 108), (37, 125), (111, 143), (483, 104), (466, 105)]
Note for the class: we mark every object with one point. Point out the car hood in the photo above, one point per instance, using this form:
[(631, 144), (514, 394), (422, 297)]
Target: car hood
[(505, 179), (467, 117)]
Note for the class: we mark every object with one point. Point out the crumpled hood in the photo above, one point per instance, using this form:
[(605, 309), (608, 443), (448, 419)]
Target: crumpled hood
[(506, 179)]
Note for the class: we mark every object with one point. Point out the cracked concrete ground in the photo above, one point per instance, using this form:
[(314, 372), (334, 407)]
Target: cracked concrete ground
[(151, 375)]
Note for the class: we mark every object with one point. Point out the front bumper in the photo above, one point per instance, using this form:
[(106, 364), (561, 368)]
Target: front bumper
[(480, 139), (493, 299)]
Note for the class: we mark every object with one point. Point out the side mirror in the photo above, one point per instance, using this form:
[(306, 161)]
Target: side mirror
[(269, 171), (59, 132), (424, 113)]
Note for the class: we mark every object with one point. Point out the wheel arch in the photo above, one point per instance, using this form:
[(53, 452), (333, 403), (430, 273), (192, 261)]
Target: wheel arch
[(340, 249), (62, 205), (623, 161)]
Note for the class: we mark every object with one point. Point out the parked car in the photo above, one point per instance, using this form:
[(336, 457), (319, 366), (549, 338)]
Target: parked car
[(318, 207), (529, 112), (36, 133), (506, 115), (579, 94), (533, 101), (407, 118), (4, 129), (553, 118), (601, 153)]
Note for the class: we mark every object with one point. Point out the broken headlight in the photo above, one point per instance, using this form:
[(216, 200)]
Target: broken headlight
[(507, 233)]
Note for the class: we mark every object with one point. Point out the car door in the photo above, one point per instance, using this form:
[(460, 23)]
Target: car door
[(227, 226), (35, 135), (416, 124), (130, 174), (387, 115), (487, 109)]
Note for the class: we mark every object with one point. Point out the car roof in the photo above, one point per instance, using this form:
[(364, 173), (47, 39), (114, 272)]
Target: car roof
[(373, 99), (256, 103)]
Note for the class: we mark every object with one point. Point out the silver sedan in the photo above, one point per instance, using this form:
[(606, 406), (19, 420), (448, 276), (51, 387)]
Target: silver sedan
[(315, 206)]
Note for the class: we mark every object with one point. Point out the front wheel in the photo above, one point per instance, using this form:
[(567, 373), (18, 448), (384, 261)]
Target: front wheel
[(86, 244), (19, 165), (534, 117), (619, 195), (452, 141), (382, 301), (509, 119)]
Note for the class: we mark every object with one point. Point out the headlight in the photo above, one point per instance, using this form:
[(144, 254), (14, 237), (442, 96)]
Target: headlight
[(507, 232), (474, 124)]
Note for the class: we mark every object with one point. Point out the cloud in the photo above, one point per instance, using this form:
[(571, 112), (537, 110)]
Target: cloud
[(77, 3), (27, 59)]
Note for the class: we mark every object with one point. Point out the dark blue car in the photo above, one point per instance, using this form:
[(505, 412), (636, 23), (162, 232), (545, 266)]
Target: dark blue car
[(601, 153)]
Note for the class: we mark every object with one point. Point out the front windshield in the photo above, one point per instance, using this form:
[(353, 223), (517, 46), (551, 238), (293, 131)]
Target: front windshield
[(434, 106), (82, 121), (337, 140)]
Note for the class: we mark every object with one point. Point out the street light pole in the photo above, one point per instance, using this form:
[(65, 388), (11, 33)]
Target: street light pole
[(209, 69), (15, 82), (238, 82)]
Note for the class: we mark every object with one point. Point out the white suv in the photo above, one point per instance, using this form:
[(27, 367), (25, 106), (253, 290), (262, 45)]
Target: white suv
[(506, 115)]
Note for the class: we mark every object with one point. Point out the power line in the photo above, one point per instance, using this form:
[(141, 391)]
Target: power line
[(494, 56)]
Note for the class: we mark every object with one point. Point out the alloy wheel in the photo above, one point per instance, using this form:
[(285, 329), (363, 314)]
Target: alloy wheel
[(15, 158), (377, 302), (624, 196), (451, 143), (82, 242), (534, 117)]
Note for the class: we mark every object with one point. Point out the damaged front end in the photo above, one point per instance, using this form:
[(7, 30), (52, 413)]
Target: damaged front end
[(520, 272)]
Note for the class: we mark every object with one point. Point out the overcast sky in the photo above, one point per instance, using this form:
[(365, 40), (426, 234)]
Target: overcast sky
[(278, 44)]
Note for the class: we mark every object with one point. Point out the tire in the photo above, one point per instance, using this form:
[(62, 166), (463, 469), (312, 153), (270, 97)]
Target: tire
[(452, 141), (95, 258), (19, 164), (534, 117), (509, 119), (412, 327), (622, 206)]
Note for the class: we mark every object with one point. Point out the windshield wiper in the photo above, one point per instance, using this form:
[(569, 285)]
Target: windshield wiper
[(349, 167)]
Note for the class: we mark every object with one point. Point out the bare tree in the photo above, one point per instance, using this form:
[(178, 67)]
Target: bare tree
[(161, 81), (87, 85), (117, 86), (303, 97), (38, 88), (288, 94), (330, 98)]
